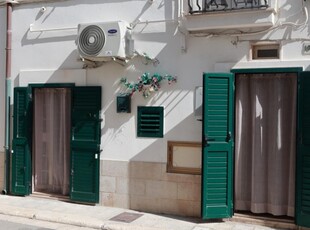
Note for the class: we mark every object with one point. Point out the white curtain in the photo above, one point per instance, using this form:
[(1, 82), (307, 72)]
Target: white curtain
[(51, 142), (265, 146)]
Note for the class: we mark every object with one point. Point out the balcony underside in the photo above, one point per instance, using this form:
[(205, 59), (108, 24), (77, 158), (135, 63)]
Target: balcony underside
[(241, 20)]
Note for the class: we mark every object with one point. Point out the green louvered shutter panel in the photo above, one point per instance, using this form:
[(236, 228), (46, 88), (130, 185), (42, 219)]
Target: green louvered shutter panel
[(217, 153), (21, 163), (150, 121), (85, 144), (303, 152)]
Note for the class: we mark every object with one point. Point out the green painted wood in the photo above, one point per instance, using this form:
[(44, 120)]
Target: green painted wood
[(150, 121), (303, 152), (217, 154), (21, 156), (85, 144), (269, 70), (51, 85)]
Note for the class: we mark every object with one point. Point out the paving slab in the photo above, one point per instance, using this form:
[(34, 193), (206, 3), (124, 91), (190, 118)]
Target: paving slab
[(107, 218)]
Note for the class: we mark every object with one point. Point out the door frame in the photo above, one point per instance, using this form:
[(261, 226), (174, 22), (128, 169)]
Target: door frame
[(31, 88), (29, 132), (85, 134), (296, 70)]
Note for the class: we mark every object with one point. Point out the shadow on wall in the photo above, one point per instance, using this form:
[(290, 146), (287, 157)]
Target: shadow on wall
[(68, 38), (38, 38), (71, 63), (141, 182), (146, 186), (119, 129), (294, 16), (180, 132), (30, 38)]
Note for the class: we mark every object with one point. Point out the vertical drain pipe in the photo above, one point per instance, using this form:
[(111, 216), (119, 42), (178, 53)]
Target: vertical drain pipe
[(8, 96)]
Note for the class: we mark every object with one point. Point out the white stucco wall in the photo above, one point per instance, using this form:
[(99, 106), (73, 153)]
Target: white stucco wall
[(54, 51)]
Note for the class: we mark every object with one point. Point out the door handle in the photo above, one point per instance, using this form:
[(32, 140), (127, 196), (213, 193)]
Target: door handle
[(206, 139), (228, 138)]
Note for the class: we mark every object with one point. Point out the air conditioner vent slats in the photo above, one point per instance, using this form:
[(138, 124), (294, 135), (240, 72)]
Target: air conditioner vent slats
[(104, 41), (92, 40)]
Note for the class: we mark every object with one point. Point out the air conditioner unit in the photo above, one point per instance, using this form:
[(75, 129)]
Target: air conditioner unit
[(103, 41)]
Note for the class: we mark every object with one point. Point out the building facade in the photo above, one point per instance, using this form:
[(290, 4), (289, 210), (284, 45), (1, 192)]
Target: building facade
[(113, 102)]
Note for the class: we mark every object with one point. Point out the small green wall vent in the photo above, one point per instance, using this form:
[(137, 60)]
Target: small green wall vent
[(150, 121)]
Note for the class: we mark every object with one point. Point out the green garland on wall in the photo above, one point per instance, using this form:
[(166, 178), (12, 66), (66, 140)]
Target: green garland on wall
[(147, 83)]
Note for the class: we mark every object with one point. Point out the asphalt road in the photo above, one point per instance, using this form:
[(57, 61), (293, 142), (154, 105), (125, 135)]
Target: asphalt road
[(16, 226), (18, 223)]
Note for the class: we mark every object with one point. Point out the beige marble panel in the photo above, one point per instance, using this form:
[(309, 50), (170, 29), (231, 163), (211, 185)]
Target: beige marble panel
[(107, 199), (178, 177), (114, 168), (161, 189), (141, 203), (121, 201), (145, 186), (145, 170), (196, 209), (137, 187), (189, 191), (177, 207), (108, 184), (122, 185)]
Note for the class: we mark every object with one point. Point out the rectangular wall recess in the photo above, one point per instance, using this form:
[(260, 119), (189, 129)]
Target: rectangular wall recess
[(184, 157)]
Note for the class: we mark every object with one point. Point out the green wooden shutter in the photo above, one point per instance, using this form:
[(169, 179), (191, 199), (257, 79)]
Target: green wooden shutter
[(217, 158), (303, 152), (85, 144), (21, 156)]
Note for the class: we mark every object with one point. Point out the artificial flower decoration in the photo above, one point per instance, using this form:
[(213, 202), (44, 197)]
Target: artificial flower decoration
[(147, 83)]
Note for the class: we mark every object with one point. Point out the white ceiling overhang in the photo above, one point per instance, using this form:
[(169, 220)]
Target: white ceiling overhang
[(4, 2)]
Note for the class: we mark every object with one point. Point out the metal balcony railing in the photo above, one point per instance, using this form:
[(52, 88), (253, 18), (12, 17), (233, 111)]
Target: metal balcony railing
[(203, 6)]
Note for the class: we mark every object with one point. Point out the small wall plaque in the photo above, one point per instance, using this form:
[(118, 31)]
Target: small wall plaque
[(123, 103)]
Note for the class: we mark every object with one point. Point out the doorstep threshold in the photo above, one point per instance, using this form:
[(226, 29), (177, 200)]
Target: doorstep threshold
[(273, 222), (50, 196), (59, 198)]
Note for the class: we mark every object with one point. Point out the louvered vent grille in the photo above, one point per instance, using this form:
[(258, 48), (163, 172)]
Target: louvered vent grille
[(150, 121), (92, 40)]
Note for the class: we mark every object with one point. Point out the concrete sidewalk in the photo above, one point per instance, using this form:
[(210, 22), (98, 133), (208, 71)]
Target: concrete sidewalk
[(99, 217)]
